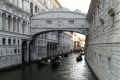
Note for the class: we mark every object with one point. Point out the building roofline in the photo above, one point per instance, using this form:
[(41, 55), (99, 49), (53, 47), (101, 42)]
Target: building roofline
[(92, 7)]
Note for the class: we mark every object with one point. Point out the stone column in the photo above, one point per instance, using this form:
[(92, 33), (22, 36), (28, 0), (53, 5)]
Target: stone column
[(0, 40), (16, 27), (11, 41), (0, 20), (6, 41)]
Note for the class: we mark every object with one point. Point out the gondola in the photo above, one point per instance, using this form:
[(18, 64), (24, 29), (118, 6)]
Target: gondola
[(66, 55), (41, 62), (79, 58), (56, 63)]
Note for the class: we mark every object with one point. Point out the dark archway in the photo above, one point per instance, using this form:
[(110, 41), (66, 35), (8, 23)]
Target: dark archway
[(31, 47), (24, 51)]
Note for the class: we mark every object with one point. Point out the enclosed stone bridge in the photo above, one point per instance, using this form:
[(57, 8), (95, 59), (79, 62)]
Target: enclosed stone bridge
[(59, 19)]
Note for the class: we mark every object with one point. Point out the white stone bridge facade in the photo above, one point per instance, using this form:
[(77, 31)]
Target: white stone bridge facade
[(59, 19)]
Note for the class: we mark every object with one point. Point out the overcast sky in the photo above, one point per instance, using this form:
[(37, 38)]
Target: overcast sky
[(82, 5)]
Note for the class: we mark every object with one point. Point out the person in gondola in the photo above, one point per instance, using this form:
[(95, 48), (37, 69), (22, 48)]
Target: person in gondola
[(53, 59), (41, 61)]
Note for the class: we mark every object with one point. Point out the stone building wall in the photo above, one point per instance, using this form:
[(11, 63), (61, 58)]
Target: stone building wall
[(15, 28), (104, 33)]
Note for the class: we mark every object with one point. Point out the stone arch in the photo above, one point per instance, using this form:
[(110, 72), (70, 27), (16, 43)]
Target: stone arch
[(24, 51), (9, 22), (3, 21), (23, 26), (18, 22), (14, 24), (46, 31)]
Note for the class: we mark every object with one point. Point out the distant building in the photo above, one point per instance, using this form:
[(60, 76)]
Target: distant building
[(78, 42)]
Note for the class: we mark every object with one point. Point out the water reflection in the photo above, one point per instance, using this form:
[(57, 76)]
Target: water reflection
[(69, 70)]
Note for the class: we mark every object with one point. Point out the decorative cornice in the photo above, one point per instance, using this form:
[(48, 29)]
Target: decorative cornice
[(15, 7)]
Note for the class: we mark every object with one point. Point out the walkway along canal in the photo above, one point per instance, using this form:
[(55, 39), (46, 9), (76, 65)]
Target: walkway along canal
[(69, 70)]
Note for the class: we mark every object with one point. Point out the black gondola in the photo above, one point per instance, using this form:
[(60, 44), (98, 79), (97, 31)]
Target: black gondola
[(40, 62), (66, 55), (79, 58), (56, 63)]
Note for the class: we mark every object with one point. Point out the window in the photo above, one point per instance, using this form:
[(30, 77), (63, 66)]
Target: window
[(3, 21), (71, 21), (18, 51), (3, 41), (102, 24), (9, 41), (112, 20), (108, 63), (18, 21), (31, 8), (15, 50), (13, 41), (14, 22), (48, 22), (18, 42), (35, 9), (9, 22)]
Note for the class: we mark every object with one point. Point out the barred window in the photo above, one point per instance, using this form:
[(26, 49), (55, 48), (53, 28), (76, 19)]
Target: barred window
[(48, 22), (71, 21)]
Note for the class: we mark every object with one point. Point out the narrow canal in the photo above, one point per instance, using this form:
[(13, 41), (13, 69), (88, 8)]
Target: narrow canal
[(69, 70)]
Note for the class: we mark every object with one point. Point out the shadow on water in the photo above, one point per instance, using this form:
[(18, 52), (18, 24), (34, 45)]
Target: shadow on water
[(69, 70)]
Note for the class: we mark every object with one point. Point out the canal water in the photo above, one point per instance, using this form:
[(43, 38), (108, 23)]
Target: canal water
[(69, 70)]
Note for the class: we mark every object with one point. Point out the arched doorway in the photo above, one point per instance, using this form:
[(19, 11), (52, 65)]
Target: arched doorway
[(24, 51)]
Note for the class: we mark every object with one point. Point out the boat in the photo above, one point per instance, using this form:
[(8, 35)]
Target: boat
[(56, 63), (66, 55), (79, 58), (41, 62)]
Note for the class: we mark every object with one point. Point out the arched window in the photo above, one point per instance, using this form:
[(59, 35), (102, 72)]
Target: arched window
[(35, 9), (31, 8), (9, 22), (3, 21), (14, 22)]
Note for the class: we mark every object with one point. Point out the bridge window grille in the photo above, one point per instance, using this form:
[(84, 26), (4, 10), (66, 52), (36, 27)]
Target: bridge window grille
[(48, 22), (71, 21)]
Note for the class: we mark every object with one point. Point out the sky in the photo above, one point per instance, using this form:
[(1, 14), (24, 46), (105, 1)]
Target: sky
[(82, 5)]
